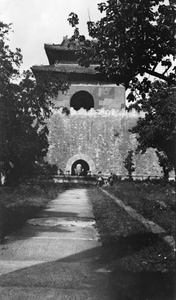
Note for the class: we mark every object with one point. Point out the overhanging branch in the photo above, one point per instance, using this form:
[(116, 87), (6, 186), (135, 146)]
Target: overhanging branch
[(161, 76)]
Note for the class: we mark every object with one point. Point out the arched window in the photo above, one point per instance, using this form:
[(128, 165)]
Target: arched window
[(82, 99)]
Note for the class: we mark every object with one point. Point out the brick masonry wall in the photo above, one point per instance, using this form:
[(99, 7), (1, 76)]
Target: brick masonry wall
[(102, 136), (106, 96)]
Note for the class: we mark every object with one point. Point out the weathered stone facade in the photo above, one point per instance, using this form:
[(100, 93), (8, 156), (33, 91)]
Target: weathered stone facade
[(107, 96), (97, 136), (101, 138)]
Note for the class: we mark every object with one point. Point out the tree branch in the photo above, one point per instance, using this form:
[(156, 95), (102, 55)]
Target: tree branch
[(159, 75)]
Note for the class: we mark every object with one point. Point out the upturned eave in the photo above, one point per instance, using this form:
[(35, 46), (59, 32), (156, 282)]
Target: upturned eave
[(74, 73)]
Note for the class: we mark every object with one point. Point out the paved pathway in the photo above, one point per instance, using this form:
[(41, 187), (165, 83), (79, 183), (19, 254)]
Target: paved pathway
[(56, 256)]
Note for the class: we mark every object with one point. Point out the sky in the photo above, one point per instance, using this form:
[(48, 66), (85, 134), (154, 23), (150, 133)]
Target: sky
[(35, 22)]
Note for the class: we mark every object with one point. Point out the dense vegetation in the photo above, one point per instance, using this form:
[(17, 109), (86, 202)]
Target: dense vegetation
[(129, 43), (142, 264), (24, 108), (132, 38)]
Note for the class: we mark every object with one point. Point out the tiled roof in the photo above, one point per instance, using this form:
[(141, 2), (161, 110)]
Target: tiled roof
[(67, 68), (67, 44), (59, 47), (64, 52)]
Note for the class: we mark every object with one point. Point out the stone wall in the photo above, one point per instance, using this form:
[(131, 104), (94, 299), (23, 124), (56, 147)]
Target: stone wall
[(108, 96), (99, 137)]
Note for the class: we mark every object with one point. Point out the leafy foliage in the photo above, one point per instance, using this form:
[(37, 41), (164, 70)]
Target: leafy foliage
[(132, 38), (9, 60), (158, 128), (24, 107), (165, 163), (128, 164)]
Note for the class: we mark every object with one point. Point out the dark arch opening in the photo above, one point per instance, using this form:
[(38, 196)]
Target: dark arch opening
[(84, 165), (82, 99)]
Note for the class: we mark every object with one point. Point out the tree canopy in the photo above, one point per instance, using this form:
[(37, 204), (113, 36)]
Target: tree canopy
[(157, 129), (132, 38), (24, 107)]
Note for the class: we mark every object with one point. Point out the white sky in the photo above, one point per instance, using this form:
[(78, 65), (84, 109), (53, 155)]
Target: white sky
[(36, 22)]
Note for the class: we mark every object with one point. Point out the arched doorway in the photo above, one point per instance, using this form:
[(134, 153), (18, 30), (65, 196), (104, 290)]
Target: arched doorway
[(78, 157), (84, 166), (82, 99)]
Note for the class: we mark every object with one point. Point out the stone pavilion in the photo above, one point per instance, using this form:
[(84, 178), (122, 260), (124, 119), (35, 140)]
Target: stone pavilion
[(95, 133)]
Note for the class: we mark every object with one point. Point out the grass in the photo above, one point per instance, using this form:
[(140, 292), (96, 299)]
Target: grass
[(23, 202), (142, 265), (155, 201)]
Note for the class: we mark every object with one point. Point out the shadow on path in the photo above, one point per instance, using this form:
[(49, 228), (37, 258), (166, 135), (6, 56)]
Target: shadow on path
[(82, 275), (85, 274)]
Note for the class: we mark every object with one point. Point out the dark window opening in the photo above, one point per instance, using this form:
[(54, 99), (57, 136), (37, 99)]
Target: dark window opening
[(82, 99)]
